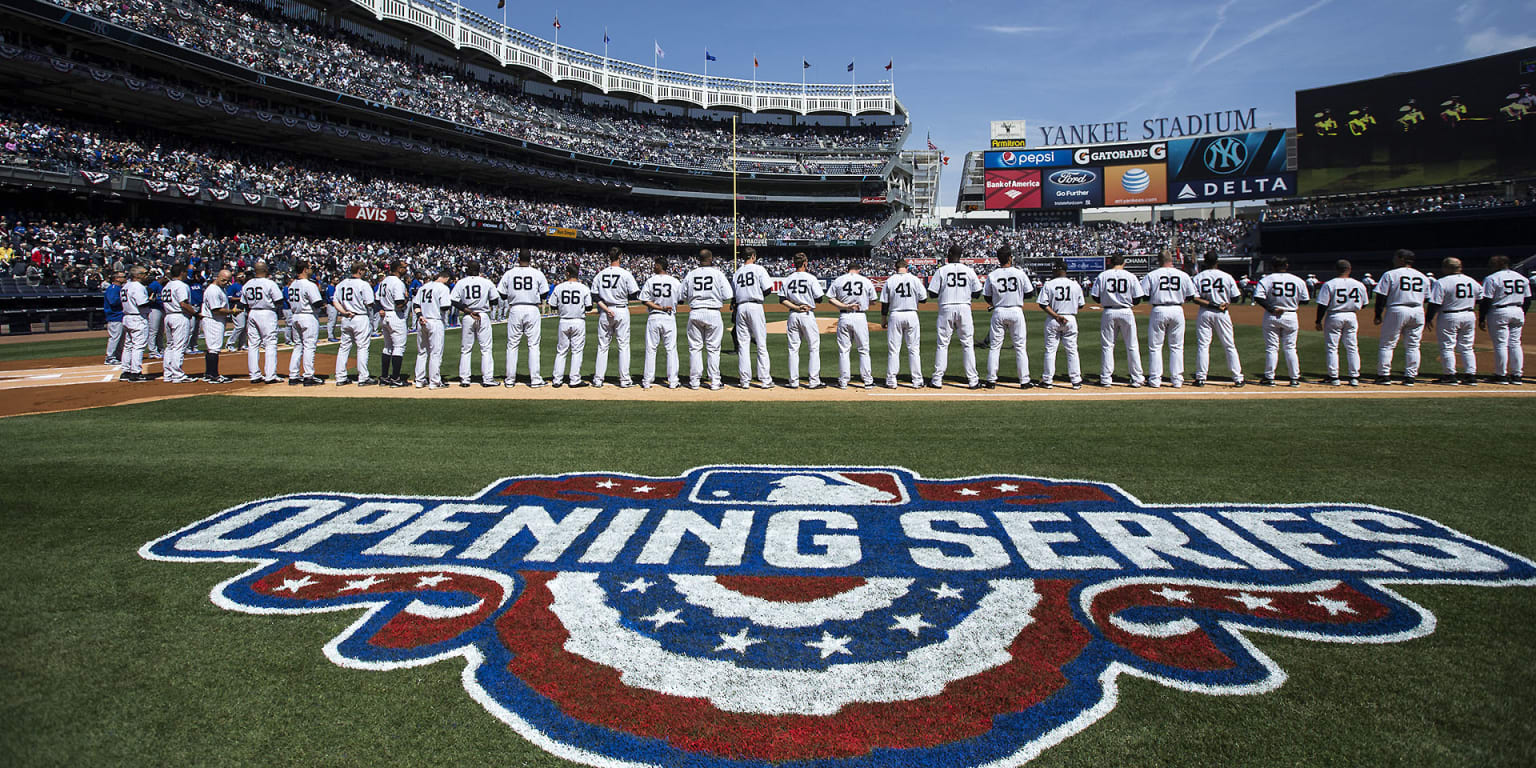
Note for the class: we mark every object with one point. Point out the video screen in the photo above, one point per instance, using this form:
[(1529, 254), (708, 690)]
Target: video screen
[(1471, 121)]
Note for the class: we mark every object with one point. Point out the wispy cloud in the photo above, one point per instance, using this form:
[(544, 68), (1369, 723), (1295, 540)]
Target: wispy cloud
[(1262, 32), (1007, 30), (1221, 18), (1491, 41)]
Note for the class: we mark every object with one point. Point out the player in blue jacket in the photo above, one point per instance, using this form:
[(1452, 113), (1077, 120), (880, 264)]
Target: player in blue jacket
[(112, 304)]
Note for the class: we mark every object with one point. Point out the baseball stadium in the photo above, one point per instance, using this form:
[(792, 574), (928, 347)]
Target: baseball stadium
[(392, 382)]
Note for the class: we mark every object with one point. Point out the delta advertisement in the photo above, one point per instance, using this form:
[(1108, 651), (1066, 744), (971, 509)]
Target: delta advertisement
[(1239, 166)]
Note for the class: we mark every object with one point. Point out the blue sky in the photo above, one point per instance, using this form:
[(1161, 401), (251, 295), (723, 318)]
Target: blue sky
[(961, 64)]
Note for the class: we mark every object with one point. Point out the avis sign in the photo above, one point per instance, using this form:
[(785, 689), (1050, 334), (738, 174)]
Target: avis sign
[(364, 213), (738, 616)]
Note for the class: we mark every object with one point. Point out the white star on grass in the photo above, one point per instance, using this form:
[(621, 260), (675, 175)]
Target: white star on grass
[(638, 585), (294, 585), (1333, 607), (643, 489), (1254, 603), (662, 618), (363, 583), (913, 623), (738, 642), (829, 645), (968, 492), (606, 484), (1006, 487), (945, 592), (1174, 595), (432, 581)]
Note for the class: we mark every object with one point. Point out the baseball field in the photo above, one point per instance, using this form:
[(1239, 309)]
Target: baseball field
[(111, 658)]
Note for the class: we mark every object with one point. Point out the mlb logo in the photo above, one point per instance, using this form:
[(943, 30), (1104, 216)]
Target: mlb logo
[(799, 487)]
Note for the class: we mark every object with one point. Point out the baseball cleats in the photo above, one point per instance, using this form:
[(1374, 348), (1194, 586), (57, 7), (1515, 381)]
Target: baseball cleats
[(258, 380), (766, 384), (1383, 381), (488, 384), (817, 385), (1266, 382), (1239, 383), (374, 383), (273, 380), (342, 382), (1409, 381), (577, 384), (974, 385), (1077, 385), (535, 384), (645, 385), (1354, 381), (1295, 382), (462, 384), (841, 385), (1469, 380), (294, 382), (988, 385), (314, 382), (716, 387), (1330, 382), (1446, 381), (1135, 385), (626, 384), (558, 384), (112, 361), (1199, 382), (743, 384), (436, 386), (597, 383)]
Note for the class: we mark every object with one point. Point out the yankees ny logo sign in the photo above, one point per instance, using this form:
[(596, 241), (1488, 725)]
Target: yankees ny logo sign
[(742, 615)]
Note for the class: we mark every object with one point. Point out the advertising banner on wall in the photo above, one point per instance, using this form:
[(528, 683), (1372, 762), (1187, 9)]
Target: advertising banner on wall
[(1154, 152), (1013, 189), (1073, 188), (1239, 166), (1144, 184), (1008, 133), (1042, 158)]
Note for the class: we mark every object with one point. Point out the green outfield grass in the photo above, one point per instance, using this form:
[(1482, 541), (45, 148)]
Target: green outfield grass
[(112, 660), (1250, 345)]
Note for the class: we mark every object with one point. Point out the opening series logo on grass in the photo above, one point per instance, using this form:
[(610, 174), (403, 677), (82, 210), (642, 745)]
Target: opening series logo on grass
[(751, 615)]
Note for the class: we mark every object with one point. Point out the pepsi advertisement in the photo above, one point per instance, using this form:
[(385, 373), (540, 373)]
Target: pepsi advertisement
[(1073, 188), (1237, 166), (1028, 158)]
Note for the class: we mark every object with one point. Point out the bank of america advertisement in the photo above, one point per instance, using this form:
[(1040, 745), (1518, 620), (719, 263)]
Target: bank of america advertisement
[(1238, 166), (1012, 189)]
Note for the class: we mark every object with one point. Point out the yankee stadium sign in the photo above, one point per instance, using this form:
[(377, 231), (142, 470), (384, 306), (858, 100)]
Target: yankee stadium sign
[(858, 616)]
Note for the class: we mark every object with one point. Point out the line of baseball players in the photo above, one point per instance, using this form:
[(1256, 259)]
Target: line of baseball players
[(1401, 298)]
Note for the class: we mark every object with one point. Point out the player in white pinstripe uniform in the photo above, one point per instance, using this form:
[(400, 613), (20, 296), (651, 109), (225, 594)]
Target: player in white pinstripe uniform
[(1167, 288), (474, 297), (751, 284), (1338, 302), (613, 288), (1506, 299), (215, 315), (1400, 300), (851, 294), (1006, 289), (955, 286), (1281, 293), (393, 297), (1061, 297), (1215, 291), (705, 291), (899, 298), (660, 295), (1453, 300), (1117, 291), (524, 287), (800, 293)]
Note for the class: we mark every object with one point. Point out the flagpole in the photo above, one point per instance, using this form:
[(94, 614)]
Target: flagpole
[(557, 44)]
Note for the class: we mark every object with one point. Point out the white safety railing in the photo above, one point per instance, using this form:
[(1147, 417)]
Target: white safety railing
[(514, 48)]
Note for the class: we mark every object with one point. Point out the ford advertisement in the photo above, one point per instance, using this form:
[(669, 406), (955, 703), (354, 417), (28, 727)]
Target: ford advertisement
[(1073, 188)]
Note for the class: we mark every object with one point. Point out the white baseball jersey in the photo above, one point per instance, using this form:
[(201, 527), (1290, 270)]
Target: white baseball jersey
[(1343, 294), (214, 298), (302, 295), (1282, 290), (1505, 288), (1216, 286), (135, 298), (392, 294), (571, 299), (353, 295), (902, 292), (476, 293), (1063, 295), (1117, 289), (803, 288), (1166, 286), (523, 285), (432, 298), (1455, 293), (1404, 286), (262, 293), (1007, 287), (1369, 283), (954, 283), (662, 290), (172, 294), (706, 288), (613, 286), (853, 289), (751, 283)]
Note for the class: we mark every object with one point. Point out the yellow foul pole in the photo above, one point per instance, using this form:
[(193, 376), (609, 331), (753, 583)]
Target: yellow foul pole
[(735, 240)]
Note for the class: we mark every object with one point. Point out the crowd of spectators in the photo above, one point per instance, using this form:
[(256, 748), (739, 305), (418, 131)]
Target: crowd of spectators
[(1047, 241), (257, 35), (55, 143), (41, 249), (1394, 203)]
